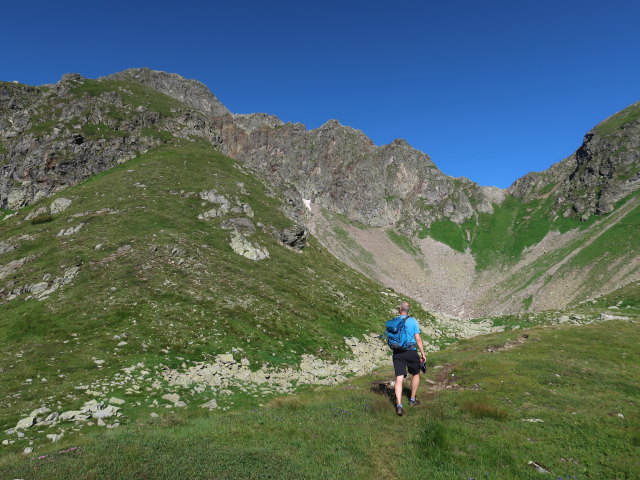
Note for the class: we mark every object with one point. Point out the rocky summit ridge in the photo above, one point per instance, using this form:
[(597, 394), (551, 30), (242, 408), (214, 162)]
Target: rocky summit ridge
[(54, 136), (49, 140), (600, 173)]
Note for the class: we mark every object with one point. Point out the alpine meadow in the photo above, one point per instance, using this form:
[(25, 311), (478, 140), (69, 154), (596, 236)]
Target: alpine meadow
[(186, 292)]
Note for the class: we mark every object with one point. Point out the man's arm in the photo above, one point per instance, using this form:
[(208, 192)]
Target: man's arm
[(423, 357)]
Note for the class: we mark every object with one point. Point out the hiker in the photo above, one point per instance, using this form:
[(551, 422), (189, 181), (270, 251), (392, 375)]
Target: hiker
[(403, 339)]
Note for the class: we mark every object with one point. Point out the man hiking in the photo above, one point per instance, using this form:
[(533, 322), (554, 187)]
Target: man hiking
[(404, 335)]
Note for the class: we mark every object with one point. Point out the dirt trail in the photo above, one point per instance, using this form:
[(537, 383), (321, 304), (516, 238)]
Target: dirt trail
[(445, 379)]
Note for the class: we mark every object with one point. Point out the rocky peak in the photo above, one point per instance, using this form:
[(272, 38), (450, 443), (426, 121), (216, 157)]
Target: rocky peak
[(602, 171), (253, 121), (71, 77), (191, 92)]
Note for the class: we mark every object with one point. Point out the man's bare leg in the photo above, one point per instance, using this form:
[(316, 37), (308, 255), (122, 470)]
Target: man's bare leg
[(398, 389), (415, 381)]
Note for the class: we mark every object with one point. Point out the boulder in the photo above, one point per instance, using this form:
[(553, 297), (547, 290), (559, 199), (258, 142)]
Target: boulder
[(54, 437), (244, 247), (70, 415), (59, 205), (40, 411), (38, 287), (295, 237), (6, 248), (69, 231), (92, 406), (241, 224), (106, 412), (171, 397), (25, 423), (226, 358), (211, 404)]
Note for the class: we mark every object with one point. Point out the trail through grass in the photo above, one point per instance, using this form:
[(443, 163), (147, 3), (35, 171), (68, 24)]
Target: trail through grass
[(566, 398)]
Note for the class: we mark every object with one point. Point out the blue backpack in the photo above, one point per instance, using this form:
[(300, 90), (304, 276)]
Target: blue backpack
[(396, 334)]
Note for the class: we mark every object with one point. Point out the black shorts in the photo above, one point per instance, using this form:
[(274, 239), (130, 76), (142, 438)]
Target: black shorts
[(408, 359)]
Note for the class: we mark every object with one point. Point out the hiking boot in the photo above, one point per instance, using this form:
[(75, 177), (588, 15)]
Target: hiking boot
[(399, 410), (414, 403)]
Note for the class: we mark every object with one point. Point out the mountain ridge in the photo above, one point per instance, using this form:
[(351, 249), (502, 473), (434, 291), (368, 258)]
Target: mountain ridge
[(335, 179)]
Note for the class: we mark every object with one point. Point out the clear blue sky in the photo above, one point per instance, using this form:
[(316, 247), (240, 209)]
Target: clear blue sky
[(489, 89)]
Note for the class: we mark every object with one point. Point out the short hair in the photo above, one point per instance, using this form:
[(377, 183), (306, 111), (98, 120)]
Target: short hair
[(404, 307)]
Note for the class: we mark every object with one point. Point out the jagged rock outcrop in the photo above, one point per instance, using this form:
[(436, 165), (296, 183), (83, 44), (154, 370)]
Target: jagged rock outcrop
[(253, 121), (191, 92), (339, 168), (57, 135), (604, 170)]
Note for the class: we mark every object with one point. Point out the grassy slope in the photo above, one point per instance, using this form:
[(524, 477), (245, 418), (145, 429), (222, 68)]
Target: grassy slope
[(215, 300), (577, 380), (611, 247), (502, 236), (616, 122)]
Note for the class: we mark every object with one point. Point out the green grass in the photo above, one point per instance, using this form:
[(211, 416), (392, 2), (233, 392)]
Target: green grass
[(619, 120), (626, 301), (447, 232), (155, 133), (577, 380), (526, 303), (41, 218), (132, 92), (362, 257), (403, 242), (198, 303), (620, 239), (44, 127), (502, 236)]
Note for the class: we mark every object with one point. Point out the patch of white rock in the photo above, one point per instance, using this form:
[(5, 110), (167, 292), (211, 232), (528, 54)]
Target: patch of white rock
[(226, 371)]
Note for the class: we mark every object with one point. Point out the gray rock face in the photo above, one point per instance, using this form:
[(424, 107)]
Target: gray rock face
[(339, 168), (42, 151), (6, 248), (294, 237), (242, 246), (59, 205), (254, 121), (191, 92), (601, 172)]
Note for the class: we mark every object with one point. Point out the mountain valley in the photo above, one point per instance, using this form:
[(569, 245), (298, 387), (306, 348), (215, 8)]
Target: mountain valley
[(163, 260)]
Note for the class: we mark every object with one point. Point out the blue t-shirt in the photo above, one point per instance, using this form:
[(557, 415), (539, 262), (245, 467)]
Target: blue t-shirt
[(411, 327)]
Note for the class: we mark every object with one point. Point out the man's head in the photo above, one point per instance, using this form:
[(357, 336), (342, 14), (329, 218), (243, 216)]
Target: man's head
[(404, 308)]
